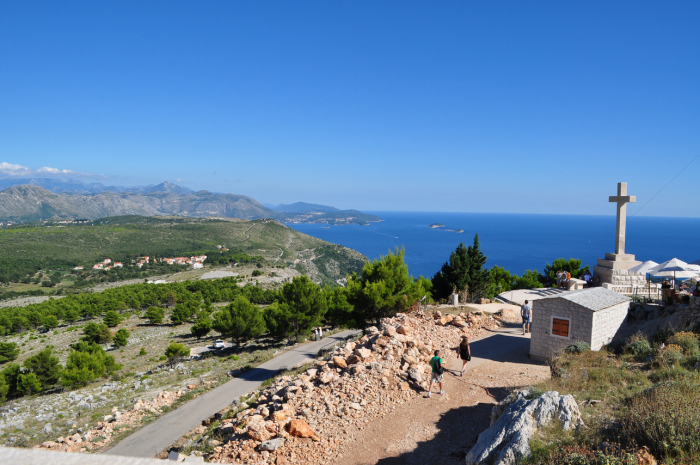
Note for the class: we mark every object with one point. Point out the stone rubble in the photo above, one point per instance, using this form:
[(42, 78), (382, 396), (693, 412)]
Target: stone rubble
[(100, 436), (308, 418)]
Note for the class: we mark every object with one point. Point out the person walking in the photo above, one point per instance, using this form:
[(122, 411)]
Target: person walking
[(465, 353), (320, 332), (526, 315), (436, 375), (316, 334)]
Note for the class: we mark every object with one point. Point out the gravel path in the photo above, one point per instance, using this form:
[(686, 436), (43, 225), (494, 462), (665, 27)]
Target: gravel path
[(442, 429), (160, 434)]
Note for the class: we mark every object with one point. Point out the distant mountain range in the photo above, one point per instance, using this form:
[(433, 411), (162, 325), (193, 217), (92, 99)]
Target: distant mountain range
[(49, 199)]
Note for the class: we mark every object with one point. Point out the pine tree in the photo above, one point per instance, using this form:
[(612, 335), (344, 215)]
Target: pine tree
[(478, 274), (240, 320), (463, 273)]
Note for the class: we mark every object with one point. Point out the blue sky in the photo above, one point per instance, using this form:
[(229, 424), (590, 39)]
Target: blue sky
[(528, 107)]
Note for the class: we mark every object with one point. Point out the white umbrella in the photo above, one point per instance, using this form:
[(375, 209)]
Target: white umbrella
[(674, 267), (644, 267)]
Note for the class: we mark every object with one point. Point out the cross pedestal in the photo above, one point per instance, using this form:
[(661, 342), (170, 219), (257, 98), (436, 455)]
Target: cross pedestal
[(613, 268)]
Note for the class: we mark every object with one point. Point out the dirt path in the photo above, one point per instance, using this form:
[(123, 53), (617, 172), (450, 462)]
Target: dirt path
[(442, 429)]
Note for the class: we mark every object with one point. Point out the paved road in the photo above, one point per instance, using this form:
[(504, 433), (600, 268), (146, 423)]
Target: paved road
[(162, 433)]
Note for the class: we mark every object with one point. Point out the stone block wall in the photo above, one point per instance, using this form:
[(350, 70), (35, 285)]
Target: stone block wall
[(606, 323), (627, 278), (543, 346)]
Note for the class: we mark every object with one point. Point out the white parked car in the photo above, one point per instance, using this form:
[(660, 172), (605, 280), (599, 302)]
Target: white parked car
[(219, 344)]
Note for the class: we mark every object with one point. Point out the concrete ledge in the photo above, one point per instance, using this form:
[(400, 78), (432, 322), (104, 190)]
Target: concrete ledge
[(16, 456)]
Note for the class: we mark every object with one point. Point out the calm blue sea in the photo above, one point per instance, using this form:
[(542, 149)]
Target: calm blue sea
[(515, 242)]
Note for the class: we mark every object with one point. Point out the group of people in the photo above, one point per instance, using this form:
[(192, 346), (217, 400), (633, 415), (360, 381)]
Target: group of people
[(318, 333), (682, 287), (564, 278), (464, 352), (436, 363)]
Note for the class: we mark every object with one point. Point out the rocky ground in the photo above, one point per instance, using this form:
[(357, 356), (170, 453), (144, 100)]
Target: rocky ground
[(30, 421), (366, 402)]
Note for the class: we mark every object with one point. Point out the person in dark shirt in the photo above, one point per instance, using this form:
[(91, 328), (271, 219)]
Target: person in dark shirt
[(465, 353)]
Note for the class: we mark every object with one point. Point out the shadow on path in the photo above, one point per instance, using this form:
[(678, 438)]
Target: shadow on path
[(457, 434)]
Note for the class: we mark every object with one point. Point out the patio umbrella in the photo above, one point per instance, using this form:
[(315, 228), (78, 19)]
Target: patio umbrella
[(644, 267), (674, 267)]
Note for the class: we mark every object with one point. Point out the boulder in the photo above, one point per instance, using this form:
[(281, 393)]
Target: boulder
[(300, 429), (340, 362), (403, 330), (272, 444), (415, 374), (507, 440), (258, 432)]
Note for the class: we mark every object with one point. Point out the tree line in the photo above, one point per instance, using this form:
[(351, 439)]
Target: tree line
[(465, 273)]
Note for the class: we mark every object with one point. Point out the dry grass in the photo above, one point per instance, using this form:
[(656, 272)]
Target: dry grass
[(648, 397)]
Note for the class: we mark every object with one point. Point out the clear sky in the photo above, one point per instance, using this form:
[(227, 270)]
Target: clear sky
[(528, 107)]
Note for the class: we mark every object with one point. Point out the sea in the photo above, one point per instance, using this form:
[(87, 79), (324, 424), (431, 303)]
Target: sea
[(516, 242)]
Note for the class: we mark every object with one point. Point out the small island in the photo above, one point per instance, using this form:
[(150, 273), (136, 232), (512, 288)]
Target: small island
[(436, 225)]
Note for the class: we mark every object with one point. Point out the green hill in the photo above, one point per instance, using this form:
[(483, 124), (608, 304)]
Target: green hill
[(62, 247)]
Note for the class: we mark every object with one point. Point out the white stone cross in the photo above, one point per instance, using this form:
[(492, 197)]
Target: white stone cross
[(621, 199)]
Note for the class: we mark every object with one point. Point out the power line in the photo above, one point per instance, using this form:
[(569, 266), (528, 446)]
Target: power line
[(667, 184)]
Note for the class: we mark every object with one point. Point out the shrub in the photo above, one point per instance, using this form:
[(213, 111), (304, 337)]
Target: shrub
[(176, 353), (155, 315), (45, 366), (578, 347), (111, 318), (8, 351), (121, 338), (640, 349), (688, 341), (87, 362), (142, 352), (670, 355), (28, 384), (97, 333), (662, 336), (665, 418)]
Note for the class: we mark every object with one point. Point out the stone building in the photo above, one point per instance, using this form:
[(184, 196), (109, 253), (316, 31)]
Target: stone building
[(589, 315)]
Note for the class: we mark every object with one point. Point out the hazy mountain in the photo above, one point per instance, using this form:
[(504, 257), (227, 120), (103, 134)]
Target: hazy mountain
[(302, 207), (59, 186), (164, 187), (31, 203)]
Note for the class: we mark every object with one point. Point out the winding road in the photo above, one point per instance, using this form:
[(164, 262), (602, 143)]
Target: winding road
[(163, 432)]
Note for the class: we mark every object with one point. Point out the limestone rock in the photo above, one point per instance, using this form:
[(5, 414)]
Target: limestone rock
[(507, 440), (272, 444), (340, 362), (300, 429)]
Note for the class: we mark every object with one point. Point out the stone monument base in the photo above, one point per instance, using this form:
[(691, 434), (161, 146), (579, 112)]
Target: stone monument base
[(613, 269)]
